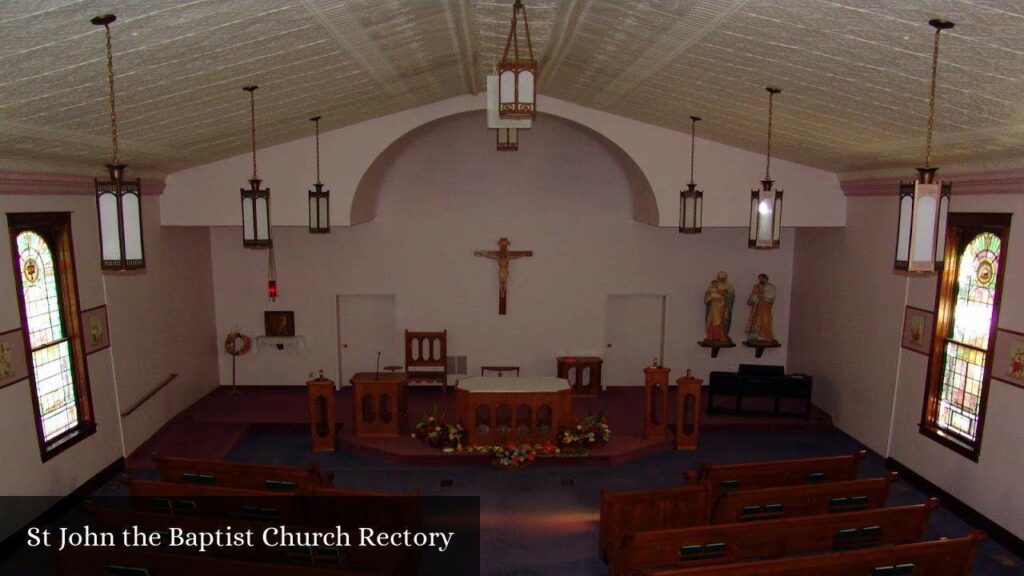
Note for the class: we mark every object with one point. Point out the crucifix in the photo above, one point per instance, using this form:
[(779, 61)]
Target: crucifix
[(503, 256)]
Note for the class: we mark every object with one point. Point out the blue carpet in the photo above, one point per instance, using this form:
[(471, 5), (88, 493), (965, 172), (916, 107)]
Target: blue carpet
[(532, 524)]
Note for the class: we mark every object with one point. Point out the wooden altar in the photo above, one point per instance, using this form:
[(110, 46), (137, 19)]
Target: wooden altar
[(582, 372), (378, 404), (499, 410)]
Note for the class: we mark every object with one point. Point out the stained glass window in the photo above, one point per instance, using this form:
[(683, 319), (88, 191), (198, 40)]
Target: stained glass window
[(52, 364), (969, 302)]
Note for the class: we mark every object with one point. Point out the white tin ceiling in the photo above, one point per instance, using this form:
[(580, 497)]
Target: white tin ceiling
[(854, 73)]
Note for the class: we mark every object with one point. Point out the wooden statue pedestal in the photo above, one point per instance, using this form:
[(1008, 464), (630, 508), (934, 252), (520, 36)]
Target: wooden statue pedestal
[(321, 413), (656, 402), (688, 412), (582, 372), (378, 404)]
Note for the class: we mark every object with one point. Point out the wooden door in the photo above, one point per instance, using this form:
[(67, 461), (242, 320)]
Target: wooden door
[(366, 326), (635, 335)]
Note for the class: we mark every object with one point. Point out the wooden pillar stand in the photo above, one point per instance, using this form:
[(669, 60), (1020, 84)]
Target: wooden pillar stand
[(321, 413), (688, 412), (656, 402)]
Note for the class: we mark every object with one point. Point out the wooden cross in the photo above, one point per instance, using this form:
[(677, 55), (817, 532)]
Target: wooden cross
[(503, 256)]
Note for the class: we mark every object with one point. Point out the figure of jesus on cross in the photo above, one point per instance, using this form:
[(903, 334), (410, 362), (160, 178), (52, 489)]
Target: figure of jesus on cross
[(503, 256)]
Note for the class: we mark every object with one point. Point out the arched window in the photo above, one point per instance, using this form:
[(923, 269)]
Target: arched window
[(968, 311), (47, 293)]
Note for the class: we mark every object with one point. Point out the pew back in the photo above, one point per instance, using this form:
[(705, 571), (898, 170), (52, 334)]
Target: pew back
[(239, 475), (623, 513), (723, 543), (936, 558), (719, 478), (804, 500), (214, 501)]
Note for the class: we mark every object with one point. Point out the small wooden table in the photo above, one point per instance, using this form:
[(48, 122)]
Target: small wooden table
[(499, 410), (582, 372), (379, 404)]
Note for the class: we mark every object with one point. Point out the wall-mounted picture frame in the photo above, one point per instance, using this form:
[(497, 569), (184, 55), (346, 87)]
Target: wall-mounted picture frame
[(918, 328), (279, 323), (13, 361), (1008, 360), (95, 329)]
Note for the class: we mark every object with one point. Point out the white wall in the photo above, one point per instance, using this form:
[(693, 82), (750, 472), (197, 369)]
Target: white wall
[(161, 321), (208, 195), (847, 320), (565, 196)]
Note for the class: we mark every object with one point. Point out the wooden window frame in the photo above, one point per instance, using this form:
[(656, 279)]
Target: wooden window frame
[(945, 300), (55, 229)]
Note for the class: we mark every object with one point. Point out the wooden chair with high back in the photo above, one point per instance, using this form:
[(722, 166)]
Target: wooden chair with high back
[(425, 357)]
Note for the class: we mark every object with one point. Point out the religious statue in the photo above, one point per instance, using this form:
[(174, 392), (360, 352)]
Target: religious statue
[(718, 301), (503, 256), (761, 300)]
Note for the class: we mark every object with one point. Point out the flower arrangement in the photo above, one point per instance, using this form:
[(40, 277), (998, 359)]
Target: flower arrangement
[(589, 432), (436, 431), (513, 456)]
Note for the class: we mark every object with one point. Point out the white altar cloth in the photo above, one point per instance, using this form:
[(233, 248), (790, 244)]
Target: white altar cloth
[(509, 384)]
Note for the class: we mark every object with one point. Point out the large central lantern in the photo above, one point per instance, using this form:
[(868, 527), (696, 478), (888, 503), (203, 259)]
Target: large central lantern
[(517, 71)]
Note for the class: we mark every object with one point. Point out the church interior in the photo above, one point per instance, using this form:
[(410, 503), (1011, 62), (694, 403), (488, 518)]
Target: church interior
[(589, 286)]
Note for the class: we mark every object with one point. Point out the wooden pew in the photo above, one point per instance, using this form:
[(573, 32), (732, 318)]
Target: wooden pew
[(142, 562), (951, 557), (804, 500), (719, 478), (238, 475), (623, 513), (725, 543), (383, 561), (215, 501)]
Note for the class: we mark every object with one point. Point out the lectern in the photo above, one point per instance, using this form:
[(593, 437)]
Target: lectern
[(378, 404), (321, 413), (656, 402), (688, 412)]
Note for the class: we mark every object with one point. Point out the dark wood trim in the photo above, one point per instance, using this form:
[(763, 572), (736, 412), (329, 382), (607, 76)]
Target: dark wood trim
[(957, 223), (62, 506), (965, 512), (150, 394), (1003, 380)]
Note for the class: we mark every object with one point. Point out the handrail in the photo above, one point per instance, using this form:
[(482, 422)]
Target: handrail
[(150, 394)]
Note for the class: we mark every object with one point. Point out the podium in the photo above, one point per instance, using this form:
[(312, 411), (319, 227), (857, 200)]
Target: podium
[(378, 404), (321, 413), (688, 412), (656, 402)]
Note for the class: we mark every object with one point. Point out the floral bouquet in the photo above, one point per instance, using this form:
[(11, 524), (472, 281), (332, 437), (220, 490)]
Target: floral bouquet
[(438, 433), (513, 456), (591, 431)]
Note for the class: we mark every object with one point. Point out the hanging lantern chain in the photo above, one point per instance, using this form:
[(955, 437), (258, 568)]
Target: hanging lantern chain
[(105, 22), (317, 120), (693, 142), (768, 164), (252, 116), (513, 33), (939, 26)]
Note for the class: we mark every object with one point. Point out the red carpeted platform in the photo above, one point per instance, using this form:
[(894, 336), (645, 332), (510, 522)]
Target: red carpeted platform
[(210, 427)]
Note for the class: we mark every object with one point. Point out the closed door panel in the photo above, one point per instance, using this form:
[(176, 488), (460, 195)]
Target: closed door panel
[(635, 336), (366, 326)]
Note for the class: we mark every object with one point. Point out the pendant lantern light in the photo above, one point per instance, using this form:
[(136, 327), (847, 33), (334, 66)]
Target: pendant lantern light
[(766, 203), (508, 139), (255, 201), (118, 201), (691, 200), (319, 199), (271, 276), (517, 71), (924, 204)]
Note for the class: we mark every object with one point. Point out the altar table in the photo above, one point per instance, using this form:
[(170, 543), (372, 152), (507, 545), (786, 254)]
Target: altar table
[(499, 410)]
